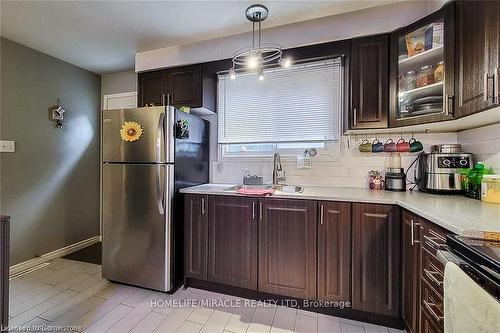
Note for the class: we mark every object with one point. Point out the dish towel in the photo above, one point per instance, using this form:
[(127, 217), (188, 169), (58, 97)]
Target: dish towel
[(256, 191), (468, 307)]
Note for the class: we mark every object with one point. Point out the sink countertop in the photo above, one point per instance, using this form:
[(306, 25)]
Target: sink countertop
[(456, 213)]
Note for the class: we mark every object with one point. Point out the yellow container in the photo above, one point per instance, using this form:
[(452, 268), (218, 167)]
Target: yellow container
[(490, 188)]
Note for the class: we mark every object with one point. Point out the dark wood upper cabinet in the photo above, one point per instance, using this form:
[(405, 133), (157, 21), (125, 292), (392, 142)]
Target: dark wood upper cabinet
[(369, 82), (375, 259), (152, 88), (420, 50), (195, 236), (192, 86), (334, 251), (232, 241), (184, 86), (477, 56), (287, 247), (411, 238)]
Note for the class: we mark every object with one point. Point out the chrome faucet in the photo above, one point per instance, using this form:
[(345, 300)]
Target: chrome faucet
[(277, 168)]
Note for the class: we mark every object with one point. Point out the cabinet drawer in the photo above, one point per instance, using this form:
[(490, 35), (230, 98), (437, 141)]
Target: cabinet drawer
[(432, 271), (433, 237), (432, 303), (428, 324)]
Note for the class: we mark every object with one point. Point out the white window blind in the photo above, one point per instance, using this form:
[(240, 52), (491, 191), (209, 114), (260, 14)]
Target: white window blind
[(295, 104)]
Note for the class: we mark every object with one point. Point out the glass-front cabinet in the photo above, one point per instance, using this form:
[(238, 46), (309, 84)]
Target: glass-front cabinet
[(422, 70)]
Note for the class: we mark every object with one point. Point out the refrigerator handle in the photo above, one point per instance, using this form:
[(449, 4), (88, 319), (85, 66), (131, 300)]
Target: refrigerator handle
[(159, 190), (160, 139)]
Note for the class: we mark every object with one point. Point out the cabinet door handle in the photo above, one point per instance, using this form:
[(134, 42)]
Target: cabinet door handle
[(163, 99), (355, 116), (413, 240), (429, 306), (260, 211), (168, 99), (203, 210), (486, 78), (253, 210), (495, 86), (321, 214), (485, 86), (430, 275), (449, 104)]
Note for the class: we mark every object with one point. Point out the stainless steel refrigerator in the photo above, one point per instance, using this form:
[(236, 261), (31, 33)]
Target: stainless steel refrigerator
[(148, 155)]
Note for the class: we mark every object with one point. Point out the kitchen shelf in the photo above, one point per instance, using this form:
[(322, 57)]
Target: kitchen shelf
[(429, 90), (429, 57)]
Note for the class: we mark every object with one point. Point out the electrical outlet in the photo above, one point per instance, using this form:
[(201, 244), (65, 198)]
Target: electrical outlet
[(348, 172), (7, 146), (220, 167)]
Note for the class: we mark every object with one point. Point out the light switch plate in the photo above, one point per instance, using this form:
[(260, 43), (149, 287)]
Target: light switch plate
[(7, 146)]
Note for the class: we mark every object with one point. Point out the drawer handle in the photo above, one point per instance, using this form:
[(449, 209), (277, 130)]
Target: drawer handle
[(321, 214), (253, 210), (432, 242), (260, 211), (203, 209), (430, 275), (429, 306)]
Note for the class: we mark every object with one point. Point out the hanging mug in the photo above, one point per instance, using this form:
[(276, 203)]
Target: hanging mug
[(415, 145), (377, 146), (390, 146), (365, 146), (402, 146)]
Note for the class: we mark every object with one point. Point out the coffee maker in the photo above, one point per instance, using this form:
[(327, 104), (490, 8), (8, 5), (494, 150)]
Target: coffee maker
[(439, 170)]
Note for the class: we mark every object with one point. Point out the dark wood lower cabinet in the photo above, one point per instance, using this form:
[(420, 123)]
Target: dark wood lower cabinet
[(334, 251), (411, 232), (195, 236), (232, 241), (287, 248), (318, 250), (375, 259)]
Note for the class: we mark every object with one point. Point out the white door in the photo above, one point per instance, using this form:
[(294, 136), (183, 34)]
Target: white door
[(120, 101)]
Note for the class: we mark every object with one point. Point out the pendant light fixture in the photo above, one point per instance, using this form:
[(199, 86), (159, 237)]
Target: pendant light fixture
[(257, 55)]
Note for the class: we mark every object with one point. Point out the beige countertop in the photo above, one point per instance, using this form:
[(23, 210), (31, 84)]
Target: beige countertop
[(456, 213)]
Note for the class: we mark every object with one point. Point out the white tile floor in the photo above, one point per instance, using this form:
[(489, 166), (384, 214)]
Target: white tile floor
[(72, 293)]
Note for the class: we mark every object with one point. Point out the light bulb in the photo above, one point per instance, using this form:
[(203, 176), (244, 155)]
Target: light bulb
[(252, 61), (261, 74), (286, 62), (232, 74)]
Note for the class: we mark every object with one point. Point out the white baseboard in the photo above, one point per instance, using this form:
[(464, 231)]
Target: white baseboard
[(53, 255)]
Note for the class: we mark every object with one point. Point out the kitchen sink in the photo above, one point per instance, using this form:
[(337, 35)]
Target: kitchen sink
[(278, 188), (239, 187), (289, 188)]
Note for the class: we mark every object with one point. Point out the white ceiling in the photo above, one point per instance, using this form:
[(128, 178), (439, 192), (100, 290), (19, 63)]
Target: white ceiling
[(103, 36)]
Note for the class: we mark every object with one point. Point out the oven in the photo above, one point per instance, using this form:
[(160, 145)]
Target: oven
[(471, 284)]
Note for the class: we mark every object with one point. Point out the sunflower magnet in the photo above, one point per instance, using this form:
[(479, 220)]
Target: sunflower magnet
[(131, 131)]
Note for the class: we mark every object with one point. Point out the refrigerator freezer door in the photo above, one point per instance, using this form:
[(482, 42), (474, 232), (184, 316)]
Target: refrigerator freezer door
[(154, 145), (137, 224)]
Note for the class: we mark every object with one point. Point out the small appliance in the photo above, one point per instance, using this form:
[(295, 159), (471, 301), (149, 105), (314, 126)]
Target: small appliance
[(439, 170), (395, 179)]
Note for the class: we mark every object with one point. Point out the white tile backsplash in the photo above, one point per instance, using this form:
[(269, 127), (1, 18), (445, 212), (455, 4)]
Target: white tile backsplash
[(484, 143), (349, 167), (346, 167)]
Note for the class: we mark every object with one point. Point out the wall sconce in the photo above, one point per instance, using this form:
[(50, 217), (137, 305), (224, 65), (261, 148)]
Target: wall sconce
[(56, 114)]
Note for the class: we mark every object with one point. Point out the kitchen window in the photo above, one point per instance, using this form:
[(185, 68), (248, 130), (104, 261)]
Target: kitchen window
[(292, 109)]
